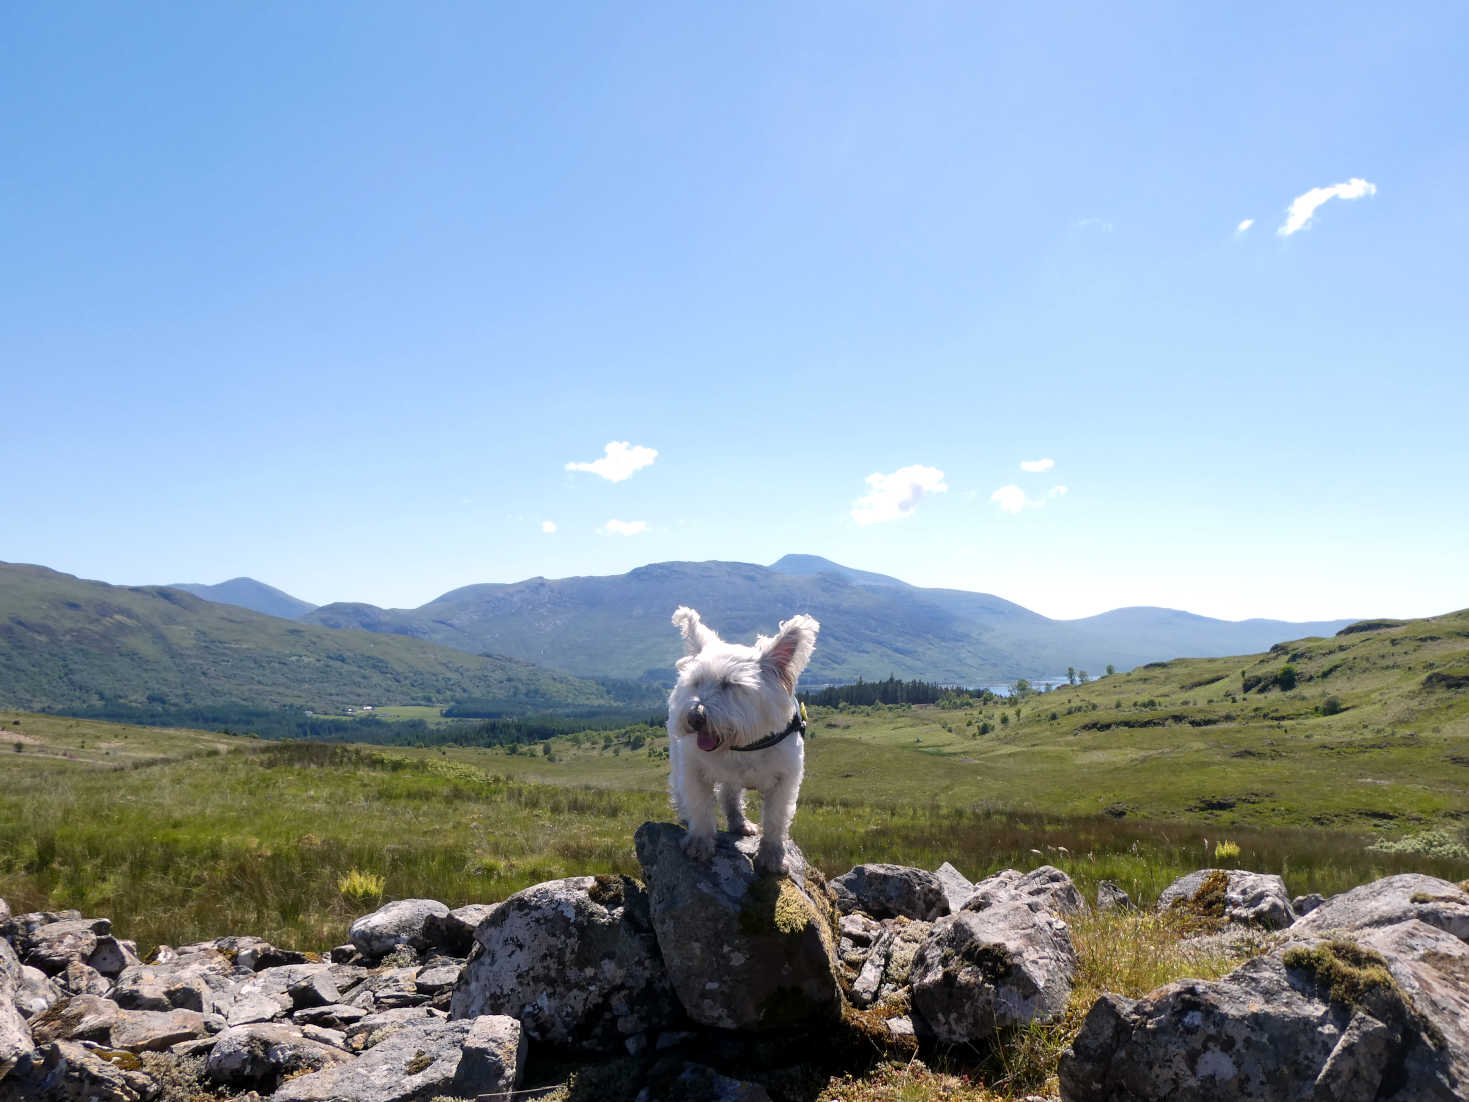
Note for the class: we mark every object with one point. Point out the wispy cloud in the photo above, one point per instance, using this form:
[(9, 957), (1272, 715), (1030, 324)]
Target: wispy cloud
[(1246, 224), (1101, 225), (548, 526), (1012, 499), (616, 527), (620, 461), (896, 495), (1035, 466), (1302, 207)]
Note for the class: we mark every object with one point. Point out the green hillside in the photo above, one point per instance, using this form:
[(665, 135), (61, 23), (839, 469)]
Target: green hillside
[(71, 644), (1372, 740)]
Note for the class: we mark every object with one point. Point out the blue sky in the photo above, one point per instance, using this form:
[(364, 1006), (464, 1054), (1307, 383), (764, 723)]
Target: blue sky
[(331, 295)]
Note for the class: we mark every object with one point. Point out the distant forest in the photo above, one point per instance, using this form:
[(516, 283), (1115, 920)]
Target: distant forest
[(893, 691)]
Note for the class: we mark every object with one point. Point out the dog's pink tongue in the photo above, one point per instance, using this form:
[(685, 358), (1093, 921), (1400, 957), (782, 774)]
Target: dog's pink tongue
[(708, 740)]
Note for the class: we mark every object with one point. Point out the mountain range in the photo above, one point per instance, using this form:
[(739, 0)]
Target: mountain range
[(873, 625), (68, 644)]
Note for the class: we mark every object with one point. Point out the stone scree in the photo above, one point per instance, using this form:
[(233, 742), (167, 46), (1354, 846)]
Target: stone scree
[(701, 972)]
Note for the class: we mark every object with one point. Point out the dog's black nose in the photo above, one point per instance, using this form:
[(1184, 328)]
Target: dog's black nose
[(698, 718)]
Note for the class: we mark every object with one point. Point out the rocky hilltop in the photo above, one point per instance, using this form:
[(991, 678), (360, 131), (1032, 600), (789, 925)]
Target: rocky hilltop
[(712, 982)]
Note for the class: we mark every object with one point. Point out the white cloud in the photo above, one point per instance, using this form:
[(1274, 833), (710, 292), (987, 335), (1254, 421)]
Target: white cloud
[(621, 461), (1035, 466), (624, 527), (898, 494), (1009, 498), (1012, 499), (1302, 207), (1099, 224), (1246, 224), (548, 526)]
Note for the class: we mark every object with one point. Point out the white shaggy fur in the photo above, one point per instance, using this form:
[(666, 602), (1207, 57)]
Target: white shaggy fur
[(732, 695)]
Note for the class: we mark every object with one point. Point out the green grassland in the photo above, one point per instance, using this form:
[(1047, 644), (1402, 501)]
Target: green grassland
[(178, 835), (1133, 777)]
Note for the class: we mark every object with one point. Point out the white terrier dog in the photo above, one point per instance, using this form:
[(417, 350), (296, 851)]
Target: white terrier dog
[(733, 724)]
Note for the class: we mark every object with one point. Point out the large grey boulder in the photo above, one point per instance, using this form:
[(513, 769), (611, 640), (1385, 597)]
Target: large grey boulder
[(979, 972), (472, 1058), (10, 966), (79, 978), (15, 1037), (743, 950), (51, 947), (262, 1054), (16, 1046), (1388, 901), (34, 992), (156, 1030), (398, 923), (69, 1071), (890, 891), (200, 981), (1313, 1020), (80, 1018), (1044, 889), (1232, 895), (111, 956), (366, 1032), (266, 995), (957, 887), (574, 960)]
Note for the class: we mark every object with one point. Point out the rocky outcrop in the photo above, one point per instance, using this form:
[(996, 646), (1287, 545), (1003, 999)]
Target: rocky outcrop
[(742, 950), (957, 887), (1232, 895), (1044, 889), (261, 1055), (713, 969), (574, 960), (890, 891), (402, 922), (1381, 1019), (1111, 897), (979, 972), (15, 1037), (888, 968), (479, 1057), (1386, 902)]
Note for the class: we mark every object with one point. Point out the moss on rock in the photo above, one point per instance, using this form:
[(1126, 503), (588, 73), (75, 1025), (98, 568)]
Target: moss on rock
[(1353, 976)]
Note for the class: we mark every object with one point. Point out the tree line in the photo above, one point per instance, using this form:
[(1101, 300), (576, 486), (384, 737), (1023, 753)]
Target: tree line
[(892, 691)]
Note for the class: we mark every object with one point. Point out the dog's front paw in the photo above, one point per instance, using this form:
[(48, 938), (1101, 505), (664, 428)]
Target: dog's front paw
[(699, 847), (744, 829), (770, 858)]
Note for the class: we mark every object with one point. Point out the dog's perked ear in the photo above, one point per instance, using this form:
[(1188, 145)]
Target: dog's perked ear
[(695, 635), (786, 655)]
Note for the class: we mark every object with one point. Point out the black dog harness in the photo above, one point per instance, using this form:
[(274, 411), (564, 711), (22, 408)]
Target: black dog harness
[(797, 726)]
